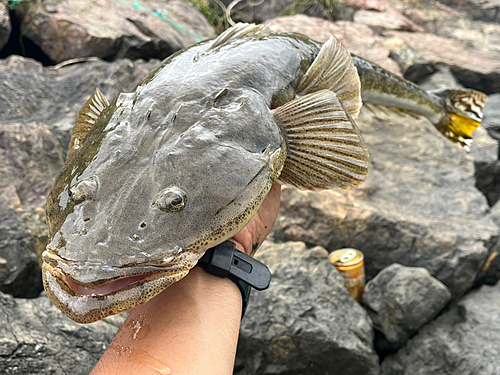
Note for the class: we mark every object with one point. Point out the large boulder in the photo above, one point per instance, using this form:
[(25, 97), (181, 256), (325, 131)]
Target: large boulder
[(358, 38), (54, 96), (20, 274), (38, 339), (418, 207), (112, 29), (464, 340), (261, 11), (30, 160), (306, 322), (477, 68), (5, 25), (402, 299)]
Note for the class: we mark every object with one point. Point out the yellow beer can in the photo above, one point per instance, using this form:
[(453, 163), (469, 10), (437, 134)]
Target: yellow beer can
[(351, 265)]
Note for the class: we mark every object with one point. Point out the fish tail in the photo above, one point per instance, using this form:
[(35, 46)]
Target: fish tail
[(464, 113)]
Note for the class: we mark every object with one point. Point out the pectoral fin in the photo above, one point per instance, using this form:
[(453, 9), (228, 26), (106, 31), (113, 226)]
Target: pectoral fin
[(324, 146), (87, 117), (333, 69)]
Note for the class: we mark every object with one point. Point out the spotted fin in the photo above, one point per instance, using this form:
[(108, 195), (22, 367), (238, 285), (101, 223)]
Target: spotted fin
[(333, 69), (325, 148), (87, 117), (465, 110), (237, 31)]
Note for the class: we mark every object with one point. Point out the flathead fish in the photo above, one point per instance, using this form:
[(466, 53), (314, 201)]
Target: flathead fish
[(161, 174)]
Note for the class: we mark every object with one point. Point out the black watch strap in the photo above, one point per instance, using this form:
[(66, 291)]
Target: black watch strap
[(224, 260)]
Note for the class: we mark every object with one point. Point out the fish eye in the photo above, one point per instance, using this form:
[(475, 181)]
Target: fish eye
[(176, 201), (172, 199)]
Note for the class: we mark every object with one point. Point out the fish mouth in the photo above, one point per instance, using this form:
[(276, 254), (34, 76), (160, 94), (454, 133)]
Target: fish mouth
[(89, 302)]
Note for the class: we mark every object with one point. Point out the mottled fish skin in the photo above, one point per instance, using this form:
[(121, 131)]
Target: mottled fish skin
[(183, 162)]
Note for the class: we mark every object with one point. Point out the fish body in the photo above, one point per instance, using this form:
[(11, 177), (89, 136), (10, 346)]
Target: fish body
[(159, 175)]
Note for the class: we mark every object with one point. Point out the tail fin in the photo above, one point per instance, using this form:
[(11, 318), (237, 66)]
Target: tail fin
[(465, 113)]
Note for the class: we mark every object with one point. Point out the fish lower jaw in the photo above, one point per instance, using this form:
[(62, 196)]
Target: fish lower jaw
[(105, 288), (87, 305)]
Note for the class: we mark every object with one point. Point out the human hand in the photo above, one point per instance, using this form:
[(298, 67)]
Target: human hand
[(255, 232)]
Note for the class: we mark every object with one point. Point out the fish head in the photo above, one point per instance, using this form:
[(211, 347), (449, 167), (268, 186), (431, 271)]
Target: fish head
[(157, 181)]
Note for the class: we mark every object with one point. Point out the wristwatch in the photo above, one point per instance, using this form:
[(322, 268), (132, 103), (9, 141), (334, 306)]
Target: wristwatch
[(224, 260)]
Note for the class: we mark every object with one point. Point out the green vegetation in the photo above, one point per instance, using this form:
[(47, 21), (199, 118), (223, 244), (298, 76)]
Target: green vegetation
[(300, 6), (215, 13)]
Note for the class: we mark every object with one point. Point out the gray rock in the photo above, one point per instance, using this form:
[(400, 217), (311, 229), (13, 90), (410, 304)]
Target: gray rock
[(30, 160), (402, 299), (30, 92), (441, 79), (306, 322), (260, 11), (5, 25), (464, 340), (486, 151), (112, 29), (20, 274), (37, 338), (419, 207), (413, 66), (357, 38)]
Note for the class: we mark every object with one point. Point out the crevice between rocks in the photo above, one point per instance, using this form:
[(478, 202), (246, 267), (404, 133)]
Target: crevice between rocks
[(19, 45)]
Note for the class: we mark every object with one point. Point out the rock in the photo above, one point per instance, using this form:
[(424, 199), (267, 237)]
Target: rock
[(358, 38), (112, 29), (389, 18), (37, 338), (413, 66), (30, 161), (419, 207), (477, 69), (402, 299), (441, 79), (20, 274), (486, 152), (5, 25), (464, 340), (483, 10), (261, 11), (491, 119), (306, 322), (30, 92)]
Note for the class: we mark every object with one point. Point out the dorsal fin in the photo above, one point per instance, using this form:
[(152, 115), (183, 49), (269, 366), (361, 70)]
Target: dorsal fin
[(325, 148), (237, 31), (334, 70), (87, 117)]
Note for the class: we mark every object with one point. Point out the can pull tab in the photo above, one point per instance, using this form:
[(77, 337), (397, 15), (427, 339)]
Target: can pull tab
[(347, 256)]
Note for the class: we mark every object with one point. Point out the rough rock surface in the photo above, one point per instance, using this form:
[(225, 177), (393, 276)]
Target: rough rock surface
[(306, 322), (38, 339), (54, 97), (486, 153), (419, 207), (402, 299), (260, 11), (464, 340), (5, 25), (20, 274), (358, 38), (389, 19), (114, 29), (30, 160), (474, 68)]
